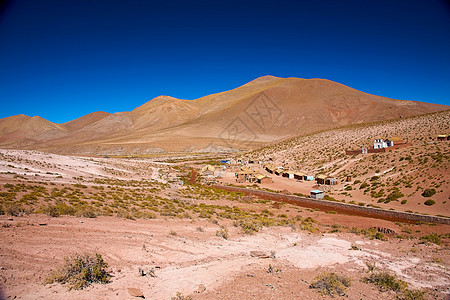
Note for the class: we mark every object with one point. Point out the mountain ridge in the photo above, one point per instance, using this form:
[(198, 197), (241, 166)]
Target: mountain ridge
[(263, 110)]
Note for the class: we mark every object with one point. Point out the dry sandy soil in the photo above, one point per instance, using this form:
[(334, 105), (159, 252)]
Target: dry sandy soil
[(183, 248), (425, 164), (32, 246)]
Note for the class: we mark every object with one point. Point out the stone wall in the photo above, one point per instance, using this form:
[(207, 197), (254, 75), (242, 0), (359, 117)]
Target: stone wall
[(340, 207)]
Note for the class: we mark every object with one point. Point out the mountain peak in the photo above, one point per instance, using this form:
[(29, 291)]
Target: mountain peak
[(264, 79), (290, 107), (157, 101)]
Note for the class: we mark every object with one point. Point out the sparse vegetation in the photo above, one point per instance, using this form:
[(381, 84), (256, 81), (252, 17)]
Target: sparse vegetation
[(387, 282), (432, 238), (329, 283), (180, 296), (80, 271), (428, 192), (429, 202), (223, 233)]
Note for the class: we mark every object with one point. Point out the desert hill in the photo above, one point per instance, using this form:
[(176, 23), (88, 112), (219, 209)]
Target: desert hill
[(410, 170), (20, 131), (264, 110)]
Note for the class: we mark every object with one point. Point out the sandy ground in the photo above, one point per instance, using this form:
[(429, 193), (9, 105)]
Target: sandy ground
[(57, 168), (31, 246), (186, 255)]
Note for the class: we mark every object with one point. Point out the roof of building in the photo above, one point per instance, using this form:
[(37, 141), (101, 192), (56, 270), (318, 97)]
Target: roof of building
[(316, 192), (260, 176), (245, 172), (442, 135), (270, 167), (321, 176), (289, 172), (208, 168), (299, 173), (396, 139)]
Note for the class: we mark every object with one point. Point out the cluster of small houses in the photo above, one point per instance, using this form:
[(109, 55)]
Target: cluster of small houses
[(443, 137), (245, 174)]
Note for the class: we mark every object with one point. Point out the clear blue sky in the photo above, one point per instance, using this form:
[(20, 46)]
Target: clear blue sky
[(64, 59)]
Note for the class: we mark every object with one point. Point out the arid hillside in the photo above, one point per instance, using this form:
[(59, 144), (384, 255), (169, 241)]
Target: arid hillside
[(264, 110), (413, 178), (164, 237)]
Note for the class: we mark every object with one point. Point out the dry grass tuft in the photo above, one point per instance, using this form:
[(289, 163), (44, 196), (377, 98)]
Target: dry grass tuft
[(80, 271)]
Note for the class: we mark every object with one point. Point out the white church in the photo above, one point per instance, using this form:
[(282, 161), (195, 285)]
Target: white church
[(386, 143)]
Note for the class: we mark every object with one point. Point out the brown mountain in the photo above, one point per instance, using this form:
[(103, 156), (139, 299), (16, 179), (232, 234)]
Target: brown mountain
[(264, 110)]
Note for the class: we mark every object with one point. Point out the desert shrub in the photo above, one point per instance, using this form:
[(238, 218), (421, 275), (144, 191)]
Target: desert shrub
[(348, 188), (7, 196), (249, 226), (428, 192), (145, 215), (404, 201), (223, 233), (372, 233), (308, 220), (179, 296), (86, 212), (371, 266), (354, 247), (380, 236), (13, 209), (31, 197), (329, 198), (429, 202), (394, 196), (330, 284), (267, 212), (407, 230), (411, 295), (121, 213), (432, 238), (363, 185), (80, 271), (386, 282), (60, 208), (378, 194)]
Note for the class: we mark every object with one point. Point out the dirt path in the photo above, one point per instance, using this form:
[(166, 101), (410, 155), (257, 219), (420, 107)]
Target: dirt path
[(193, 176)]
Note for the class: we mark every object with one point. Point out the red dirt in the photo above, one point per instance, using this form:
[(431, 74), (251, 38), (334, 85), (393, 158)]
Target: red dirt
[(323, 205)]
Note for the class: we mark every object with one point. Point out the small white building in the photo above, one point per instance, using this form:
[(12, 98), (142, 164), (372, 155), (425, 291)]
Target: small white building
[(386, 143), (379, 143), (316, 194)]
